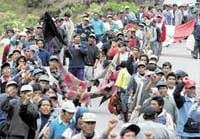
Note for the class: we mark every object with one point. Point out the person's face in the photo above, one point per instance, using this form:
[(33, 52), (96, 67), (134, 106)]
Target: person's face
[(143, 59), (6, 71), (155, 105), (28, 53), (80, 123), (159, 77), (44, 84), (39, 31), (22, 62), (22, 38), (77, 39), (89, 127), (191, 92), (91, 40), (53, 64), (129, 135), (15, 55), (40, 44), (45, 107), (166, 69), (66, 116), (85, 22), (10, 34), (11, 90), (141, 70), (37, 96), (162, 90), (26, 95), (136, 52), (171, 81)]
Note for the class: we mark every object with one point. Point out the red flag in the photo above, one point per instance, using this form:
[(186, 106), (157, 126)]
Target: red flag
[(184, 30)]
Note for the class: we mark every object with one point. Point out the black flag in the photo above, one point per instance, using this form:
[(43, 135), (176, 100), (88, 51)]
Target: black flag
[(49, 29)]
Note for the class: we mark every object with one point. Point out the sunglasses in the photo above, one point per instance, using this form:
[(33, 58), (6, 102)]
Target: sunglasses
[(90, 123)]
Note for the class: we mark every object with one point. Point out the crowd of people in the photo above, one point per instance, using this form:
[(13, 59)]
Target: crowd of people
[(50, 73)]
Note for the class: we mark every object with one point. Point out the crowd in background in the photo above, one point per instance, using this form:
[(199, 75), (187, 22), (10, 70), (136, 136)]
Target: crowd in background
[(48, 77)]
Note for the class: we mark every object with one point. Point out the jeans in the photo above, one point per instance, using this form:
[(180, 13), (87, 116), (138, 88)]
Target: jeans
[(77, 72), (196, 51)]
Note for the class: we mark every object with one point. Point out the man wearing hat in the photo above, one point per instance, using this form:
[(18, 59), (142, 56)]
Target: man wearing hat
[(44, 82), (184, 103), (88, 128), (62, 122), (92, 58), (55, 75), (129, 131), (9, 97), (24, 114), (5, 76), (84, 29), (157, 130)]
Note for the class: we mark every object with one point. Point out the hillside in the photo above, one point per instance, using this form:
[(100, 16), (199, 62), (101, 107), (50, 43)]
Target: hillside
[(22, 13)]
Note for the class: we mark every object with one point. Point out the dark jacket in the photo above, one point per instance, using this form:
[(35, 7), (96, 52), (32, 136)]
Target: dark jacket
[(24, 116), (77, 56)]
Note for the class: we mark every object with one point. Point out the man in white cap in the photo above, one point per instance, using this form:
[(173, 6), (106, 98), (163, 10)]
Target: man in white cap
[(62, 122), (88, 127), (22, 113)]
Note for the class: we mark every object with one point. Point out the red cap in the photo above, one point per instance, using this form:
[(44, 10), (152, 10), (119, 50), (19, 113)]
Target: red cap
[(189, 84)]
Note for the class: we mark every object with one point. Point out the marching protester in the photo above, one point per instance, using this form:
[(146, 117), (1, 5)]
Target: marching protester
[(115, 55)]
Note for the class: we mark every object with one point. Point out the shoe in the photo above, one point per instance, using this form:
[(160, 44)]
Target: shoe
[(195, 57)]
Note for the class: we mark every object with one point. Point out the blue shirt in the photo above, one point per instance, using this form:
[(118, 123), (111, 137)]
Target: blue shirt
[(57, 127), (44, 56), (98, 27)]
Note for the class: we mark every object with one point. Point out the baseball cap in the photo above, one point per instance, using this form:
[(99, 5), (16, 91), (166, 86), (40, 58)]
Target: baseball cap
[(37, 71), (6, 64), (10, 83), (158, 71), (153, 57), (161, 84), (86, 19), (68, 106), (180, 74), (92, 36), (89, 117), (54, 57), (22, 34), (44, 78), (149, 112), (141, 64), (26, 88), (129, 127), (189, 84)]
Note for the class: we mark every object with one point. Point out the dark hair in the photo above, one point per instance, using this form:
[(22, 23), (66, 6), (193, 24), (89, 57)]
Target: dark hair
[(144, 55), (37, 87), (159, 100), (149, 113), (44, 99), (167, 64), (18, 59), (171, 74)]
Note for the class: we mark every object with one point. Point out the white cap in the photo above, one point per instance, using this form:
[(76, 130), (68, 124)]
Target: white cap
[(68, 106), (44, 78), (153, 57), (89, 117), (27, 88), (22, 34)]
